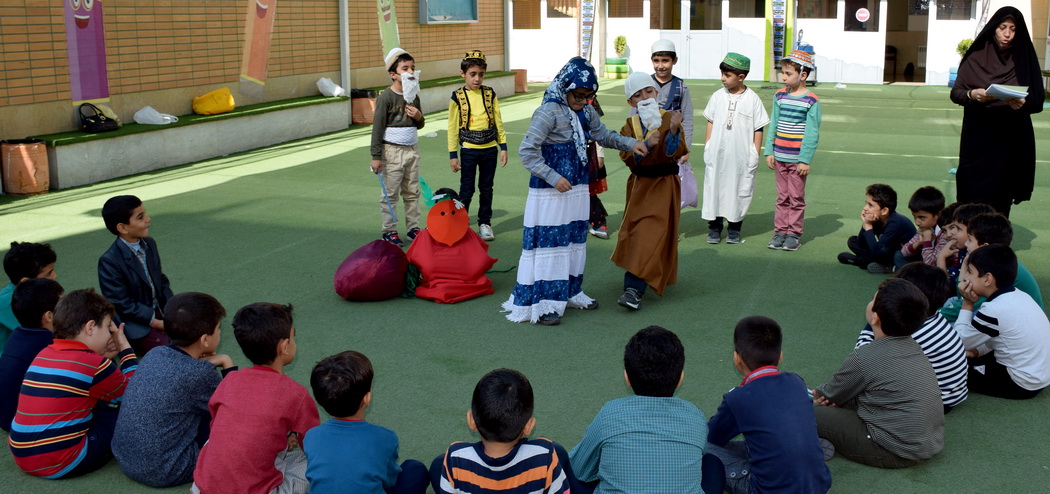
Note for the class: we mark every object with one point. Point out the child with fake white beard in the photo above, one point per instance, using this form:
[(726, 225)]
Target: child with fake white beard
[(647, 244)]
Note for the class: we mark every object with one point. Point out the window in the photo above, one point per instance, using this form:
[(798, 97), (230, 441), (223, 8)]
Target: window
[(856, 10), (665, 14), (817, 9), (960, 10), (562, 9), (705, 14), (747, 8), (625, 8), (526, 14), (919, 7)]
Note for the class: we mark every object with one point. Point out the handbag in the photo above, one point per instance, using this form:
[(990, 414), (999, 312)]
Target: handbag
[(214, 103), (690, 190), (93, 121)]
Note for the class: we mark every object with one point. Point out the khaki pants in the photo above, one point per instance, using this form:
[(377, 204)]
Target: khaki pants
[(401, 178)]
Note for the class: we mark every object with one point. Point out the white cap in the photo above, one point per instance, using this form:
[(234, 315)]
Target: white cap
[(664, 45), (390, 57), (636, 82)]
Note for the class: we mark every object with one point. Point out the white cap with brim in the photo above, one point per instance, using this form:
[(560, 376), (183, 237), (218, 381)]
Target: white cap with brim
[(664, 45), (394, 53), (636, 82)]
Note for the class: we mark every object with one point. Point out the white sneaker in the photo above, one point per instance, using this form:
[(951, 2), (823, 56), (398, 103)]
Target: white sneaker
[(485, 231)]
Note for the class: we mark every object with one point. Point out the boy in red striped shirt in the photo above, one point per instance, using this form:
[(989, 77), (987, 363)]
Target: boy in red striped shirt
[(68, 405)]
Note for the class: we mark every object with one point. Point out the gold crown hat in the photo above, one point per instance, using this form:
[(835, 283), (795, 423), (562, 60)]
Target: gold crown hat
[(802, 58), (474, 54)]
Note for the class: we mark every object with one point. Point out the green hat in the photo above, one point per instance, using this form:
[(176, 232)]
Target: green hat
[(737, 61)]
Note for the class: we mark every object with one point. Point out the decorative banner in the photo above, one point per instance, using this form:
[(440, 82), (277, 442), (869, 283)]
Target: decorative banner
[(586, 27), (388, 25), (86, 50), (780, 24), (258, 27)]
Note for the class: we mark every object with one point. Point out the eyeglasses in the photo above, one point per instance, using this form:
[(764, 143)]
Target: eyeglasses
[(732, 111)]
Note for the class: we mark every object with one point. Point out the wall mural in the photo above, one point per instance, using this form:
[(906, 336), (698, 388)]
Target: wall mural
[(86, 48), (258, 28)]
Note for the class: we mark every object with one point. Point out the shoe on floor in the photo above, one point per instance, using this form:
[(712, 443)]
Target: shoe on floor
[(549, 319), (848, 258), (630, 299), (485, 231), (591, 306), (777, 242), (714, 236), (791, 242), (734, 238), (393, 238), (600, 232), (827, 448), (876, 268), (412, 234)]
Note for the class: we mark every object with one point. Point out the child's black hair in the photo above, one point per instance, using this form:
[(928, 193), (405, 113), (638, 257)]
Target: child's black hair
[(997, 259), (928, 198), (758, 340), (341, 381), (901, 307), (76, 308), (990, 228), (27, 260), (260, 327), (502, 405), (189, 316), (724, 67), (930, 280), (672, 54), (118, 210), (883, 195), (404, 57), (33, 298), (467, 63), (966, 212), (947, 215), (448, 192), (654, 359)]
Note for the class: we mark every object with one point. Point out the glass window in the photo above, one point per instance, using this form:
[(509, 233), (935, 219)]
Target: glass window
[(960, 10), (747, 8), (562, 8), (526, 14), (861, 15), (817, 9), (665, 14), (625, 8), (919, 7), (705, 14)]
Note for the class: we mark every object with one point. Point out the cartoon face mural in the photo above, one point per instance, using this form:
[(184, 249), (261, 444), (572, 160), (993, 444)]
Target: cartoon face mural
[(258, 28), (86, 48), (448, 221)]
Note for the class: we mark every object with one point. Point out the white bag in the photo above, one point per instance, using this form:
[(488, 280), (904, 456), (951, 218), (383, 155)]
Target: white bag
[(149, 116), (329, 88)]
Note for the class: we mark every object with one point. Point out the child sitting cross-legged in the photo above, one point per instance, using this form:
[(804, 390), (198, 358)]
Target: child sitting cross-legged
[(71, 392), (164, 420), (33, 303), (882, 232), (506, 460), (258, 414), (346, 453), (780, 451)]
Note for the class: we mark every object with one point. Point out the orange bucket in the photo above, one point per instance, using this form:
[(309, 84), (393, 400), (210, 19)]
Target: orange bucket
[(24, 166)]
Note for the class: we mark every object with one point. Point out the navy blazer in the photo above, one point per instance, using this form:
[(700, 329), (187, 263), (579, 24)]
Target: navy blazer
[(123, 283)]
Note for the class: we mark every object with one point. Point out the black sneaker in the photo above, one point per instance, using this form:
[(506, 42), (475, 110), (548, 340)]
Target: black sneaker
[(393, 238), (876, 268), (549, 319), (630, 299), (412, 234), (714, 236), (734, 238), (848, 258)]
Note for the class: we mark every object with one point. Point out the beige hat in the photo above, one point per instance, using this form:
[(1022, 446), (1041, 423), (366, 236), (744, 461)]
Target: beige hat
[(394, 53), (636, 82), (664, 45)]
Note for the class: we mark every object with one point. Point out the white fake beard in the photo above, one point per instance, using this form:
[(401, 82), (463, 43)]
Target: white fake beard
[(410, 85), (649, 112)]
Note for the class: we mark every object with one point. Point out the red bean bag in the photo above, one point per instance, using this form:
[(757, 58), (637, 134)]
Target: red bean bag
[(376, 271)]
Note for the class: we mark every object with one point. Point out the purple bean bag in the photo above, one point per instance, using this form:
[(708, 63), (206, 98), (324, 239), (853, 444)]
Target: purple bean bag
[(376, 271)]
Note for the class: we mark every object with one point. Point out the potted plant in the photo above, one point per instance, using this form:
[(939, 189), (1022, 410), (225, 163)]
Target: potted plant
[(616, 67), (961, 49)]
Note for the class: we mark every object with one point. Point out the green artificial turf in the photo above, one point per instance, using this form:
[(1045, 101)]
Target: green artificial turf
[(273, 225)]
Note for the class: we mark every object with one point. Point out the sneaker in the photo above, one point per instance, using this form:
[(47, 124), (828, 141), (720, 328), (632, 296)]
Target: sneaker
[(591, 306), (827, 448), (600, 232), (630, 299), (485, 231), (848, 258), (876, 268), (393, 238), (412, 234), (714, 236), (777, 242), (791, 242), (734, 238), (549, 319)]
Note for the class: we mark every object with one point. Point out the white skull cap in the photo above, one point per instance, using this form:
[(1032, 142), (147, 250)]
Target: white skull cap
[(636, 82), (664, 45)]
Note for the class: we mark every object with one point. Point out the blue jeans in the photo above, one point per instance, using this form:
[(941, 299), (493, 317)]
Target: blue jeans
[(472, 161), (99, 439)]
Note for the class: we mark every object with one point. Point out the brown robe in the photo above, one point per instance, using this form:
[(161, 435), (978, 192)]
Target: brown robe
[(647, 243)]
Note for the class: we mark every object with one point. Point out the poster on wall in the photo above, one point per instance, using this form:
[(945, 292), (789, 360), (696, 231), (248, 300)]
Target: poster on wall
[(448, 11), (86, 51), (780, 21), (258, 29), (586, 28), (388, 25)]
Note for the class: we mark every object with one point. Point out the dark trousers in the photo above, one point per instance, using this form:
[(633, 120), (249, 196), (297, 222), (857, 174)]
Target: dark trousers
[(480, 163), (712, 477), (844, 428), (716, 225), (864, 256), (438, 466), (632, 281), (99, 440), (413, 479), (995, 380), (152, 340)]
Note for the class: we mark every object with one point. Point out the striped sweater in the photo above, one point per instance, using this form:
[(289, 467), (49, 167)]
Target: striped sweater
[(1013, 326), (797, 120), (943, 346), (533, 466), (63, 384)]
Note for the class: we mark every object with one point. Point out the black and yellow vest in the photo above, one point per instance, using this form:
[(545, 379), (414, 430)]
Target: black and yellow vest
[(488, 96)]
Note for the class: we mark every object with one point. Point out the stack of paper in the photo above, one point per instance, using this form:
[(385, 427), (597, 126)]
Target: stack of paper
[(1002, 91)]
